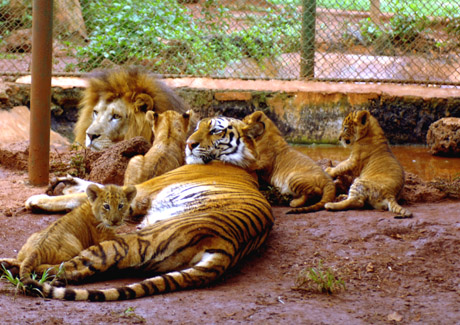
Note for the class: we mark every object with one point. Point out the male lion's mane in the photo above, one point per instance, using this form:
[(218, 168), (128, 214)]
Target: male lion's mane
[(141, 92)]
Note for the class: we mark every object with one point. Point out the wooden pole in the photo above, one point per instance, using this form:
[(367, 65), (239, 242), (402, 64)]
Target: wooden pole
[(40, 95)]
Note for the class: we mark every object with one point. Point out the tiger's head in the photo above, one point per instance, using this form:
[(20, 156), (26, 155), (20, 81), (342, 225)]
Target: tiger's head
[(359, 125), (225, 139)]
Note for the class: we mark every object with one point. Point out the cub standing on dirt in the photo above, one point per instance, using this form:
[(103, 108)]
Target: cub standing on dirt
[(289, 170), (91, 223), (378, 176), (170, 130)]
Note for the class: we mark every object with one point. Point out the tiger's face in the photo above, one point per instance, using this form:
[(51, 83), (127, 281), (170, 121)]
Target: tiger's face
[(221, 138), (354, 127)]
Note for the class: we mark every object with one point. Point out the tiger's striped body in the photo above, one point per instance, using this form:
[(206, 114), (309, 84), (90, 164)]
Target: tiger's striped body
[(200, 220), (378, 176)]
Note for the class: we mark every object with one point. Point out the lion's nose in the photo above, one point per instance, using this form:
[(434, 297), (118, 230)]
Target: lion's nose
[(192, 144), (93, 136)]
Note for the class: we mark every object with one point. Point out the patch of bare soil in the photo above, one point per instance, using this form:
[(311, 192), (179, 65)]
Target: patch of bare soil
[(404, 271)]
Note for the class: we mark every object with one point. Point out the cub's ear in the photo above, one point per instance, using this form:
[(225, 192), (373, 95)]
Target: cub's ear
[(150, 116), (93, 191), (257, 116), (143, 103), (363, 117), (188, 114), (130, 192), (254, 130)]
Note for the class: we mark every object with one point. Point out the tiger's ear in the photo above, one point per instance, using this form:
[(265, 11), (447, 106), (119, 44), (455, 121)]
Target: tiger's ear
[(363, 117), (93, 192), (130, 192), (254, 130), (143, 103)]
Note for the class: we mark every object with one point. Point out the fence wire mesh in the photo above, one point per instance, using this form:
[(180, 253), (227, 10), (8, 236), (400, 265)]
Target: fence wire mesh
[(410, 41)]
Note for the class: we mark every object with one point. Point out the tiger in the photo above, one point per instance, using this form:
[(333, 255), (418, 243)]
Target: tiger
[(170, 130), (93, 222), (378, 175), (290, 171), (200, 220)]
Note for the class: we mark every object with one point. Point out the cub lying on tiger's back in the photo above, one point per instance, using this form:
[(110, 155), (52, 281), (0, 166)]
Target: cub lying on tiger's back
[(289, 170), (170, 130), (89, 224), (378, 176)]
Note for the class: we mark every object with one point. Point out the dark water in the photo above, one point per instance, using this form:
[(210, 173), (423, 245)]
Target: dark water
[(415, 159)]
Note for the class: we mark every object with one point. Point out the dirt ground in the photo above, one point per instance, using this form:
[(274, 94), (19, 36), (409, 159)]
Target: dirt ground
[(404, 271)]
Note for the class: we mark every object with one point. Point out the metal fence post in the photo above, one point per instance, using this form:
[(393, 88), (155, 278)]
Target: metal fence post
[(307, 60), (40, 94)]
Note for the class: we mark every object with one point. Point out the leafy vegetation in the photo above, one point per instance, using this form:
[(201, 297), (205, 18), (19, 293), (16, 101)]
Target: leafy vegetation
[(167, 38), (319, 279), (15, 281)]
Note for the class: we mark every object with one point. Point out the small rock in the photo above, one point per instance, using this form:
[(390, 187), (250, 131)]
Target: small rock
[(443, 137)]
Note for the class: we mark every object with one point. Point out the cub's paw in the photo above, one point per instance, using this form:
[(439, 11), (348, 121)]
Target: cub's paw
[(330, 171), (10, 265)]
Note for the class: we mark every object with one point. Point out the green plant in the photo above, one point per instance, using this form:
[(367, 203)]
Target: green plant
[(15, 281), (319, 279)]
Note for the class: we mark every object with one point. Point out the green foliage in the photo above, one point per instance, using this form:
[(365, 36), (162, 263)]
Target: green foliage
[(166, 38), (15, 281), (319, 279)]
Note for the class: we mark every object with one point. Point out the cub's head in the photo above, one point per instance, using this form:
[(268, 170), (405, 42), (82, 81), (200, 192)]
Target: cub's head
[(170, 124), (222, 138), (114, 105), (111, 204), (359, 125)]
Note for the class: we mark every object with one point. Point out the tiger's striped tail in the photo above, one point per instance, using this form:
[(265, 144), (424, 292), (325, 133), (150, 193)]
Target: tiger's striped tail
[(212, 265), (328, 196)]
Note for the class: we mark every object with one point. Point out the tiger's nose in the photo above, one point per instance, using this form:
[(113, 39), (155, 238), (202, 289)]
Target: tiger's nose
[(93, 136), (192, 144)]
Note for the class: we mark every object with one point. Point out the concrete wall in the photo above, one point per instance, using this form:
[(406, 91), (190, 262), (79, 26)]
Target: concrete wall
[(305, 112)]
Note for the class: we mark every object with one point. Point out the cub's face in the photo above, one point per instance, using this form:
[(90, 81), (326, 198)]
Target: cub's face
[(354, 127), (220, 138), (111, 204)]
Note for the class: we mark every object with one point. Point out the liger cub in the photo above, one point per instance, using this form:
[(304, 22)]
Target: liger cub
[(170, 130), (200, 220), (91, 223), (287, 169), (378, 176)]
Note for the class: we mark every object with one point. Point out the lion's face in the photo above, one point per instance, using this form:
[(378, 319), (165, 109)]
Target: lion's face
[(110, 124), (114, 105)]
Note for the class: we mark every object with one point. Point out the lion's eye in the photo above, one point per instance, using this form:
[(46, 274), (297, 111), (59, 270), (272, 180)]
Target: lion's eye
[(116, 117), (95, 114), (120, 206), (106, 206)]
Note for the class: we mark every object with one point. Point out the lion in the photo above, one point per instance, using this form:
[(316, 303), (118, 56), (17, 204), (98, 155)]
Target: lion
[(378, 175), (114, 105)]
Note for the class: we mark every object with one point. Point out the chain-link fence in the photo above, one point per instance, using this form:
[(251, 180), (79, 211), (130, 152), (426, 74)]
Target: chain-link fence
[(409, 41)]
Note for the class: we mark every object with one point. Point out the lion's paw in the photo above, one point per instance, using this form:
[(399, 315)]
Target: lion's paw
[(35, 202)]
